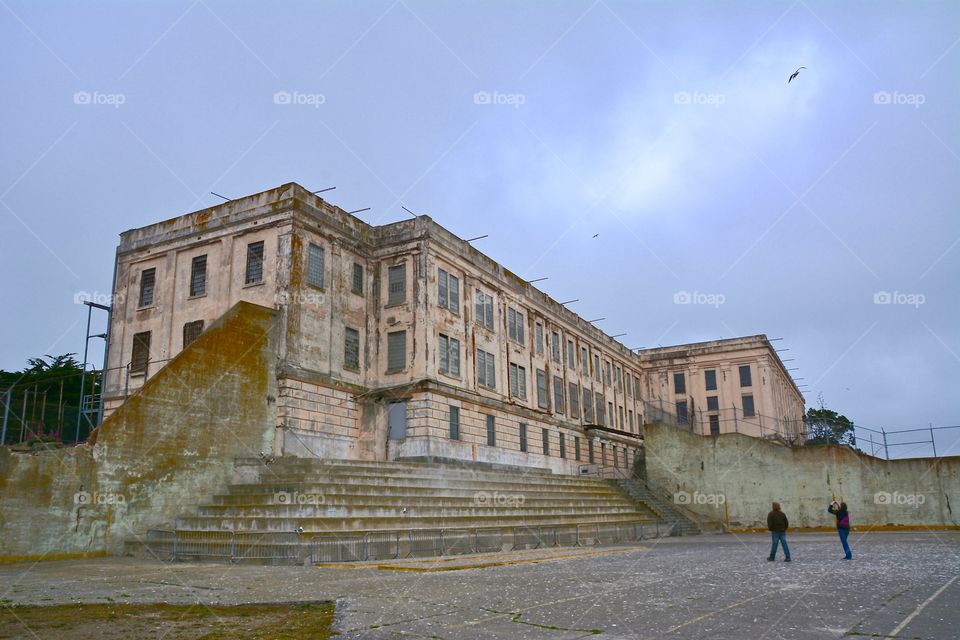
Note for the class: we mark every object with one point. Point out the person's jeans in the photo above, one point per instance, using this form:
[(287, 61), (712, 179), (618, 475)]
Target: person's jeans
[(843, 540), (781, 538)]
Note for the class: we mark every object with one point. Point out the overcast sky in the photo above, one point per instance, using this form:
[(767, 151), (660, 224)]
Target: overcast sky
[(727, 201)]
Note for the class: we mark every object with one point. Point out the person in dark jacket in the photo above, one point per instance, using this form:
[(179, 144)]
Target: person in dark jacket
[(777, 523), (843, 525)]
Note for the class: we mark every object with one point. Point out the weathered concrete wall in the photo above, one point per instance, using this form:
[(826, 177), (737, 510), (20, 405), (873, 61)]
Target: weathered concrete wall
[(154, 458), (734, 478)]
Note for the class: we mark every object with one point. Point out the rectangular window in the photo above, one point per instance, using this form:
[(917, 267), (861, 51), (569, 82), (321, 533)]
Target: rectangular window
[(590, 456), (607, 376), (449, 355), (616, 456), (396, 351), (546, 441), (710, 379), (714, 425), (563, 447), (191, 331), (679, 384), (558, 395), (748, 410), (542, 389), (357, 285), (454, 423), (397, 284), (538, 338), (636, 386), (315, 266), (596, 368), (587, 406), (745, 380), (148, 280), (574, 395), (198, 276), (571, 355), (599, 402), (351, 348), (254, 273), (448, 294), (682, 412), (515, 325), (630, 419), (619, 377), (523, 437), (628, 386), (491, 431), (484, 309), (712, 403), (576, 448), (486, 369), (622, 425), (518, 381), (140, 356), (584, 361), (613, 417), (555, 345)]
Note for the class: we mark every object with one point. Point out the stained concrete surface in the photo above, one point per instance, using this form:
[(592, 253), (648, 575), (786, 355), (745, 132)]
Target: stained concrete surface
[(717, 586)]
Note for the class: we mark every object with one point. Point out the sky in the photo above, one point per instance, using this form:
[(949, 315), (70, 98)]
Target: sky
[(728, 202)]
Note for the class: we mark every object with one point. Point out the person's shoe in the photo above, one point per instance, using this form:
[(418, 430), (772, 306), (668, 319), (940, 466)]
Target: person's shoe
[(770, 559), (786, 559), (848, 557)]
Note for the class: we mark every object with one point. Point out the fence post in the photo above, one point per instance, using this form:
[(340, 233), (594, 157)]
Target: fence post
[(736, 426), (886, 448), (6, 414), (933, 441)]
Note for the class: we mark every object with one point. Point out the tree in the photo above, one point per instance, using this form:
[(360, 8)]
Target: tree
[(825, 426)]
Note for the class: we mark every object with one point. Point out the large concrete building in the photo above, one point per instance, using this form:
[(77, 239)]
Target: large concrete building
[(403, 341)]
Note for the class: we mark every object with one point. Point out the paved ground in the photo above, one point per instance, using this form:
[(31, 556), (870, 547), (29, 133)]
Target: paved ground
[(898, 585)]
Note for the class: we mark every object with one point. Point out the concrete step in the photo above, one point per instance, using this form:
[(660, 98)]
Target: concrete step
[(397, 484), (392, 510), (451, 499)]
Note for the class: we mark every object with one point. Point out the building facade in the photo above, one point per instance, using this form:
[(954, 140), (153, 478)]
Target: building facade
[(399, 341)]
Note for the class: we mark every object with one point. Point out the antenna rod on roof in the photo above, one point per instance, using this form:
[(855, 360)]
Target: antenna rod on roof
[(322, 190), (781, 350), (772, 339), (538, 280), (570, 301), (793, 369), (220, 196), (408, 211), (618, 335), (596, 320), (636, 348), (486, 235), (359, 211), (788, 360)]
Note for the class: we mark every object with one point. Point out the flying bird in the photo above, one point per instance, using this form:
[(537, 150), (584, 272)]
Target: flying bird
[(794, 74), (595, 235)]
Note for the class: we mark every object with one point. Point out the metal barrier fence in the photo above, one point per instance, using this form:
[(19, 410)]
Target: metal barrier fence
[(232, 546)]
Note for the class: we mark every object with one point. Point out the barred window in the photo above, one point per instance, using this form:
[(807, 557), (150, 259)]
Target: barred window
[(396, 351), (486, 369), (606, 373), (351, 348), (357, 285), (679, 384), (630, 416), (546, 441), (449, 355), (587, 406), (191, 331), (198, 276), (628, 387), (140, 355), (576, 448), (584, 361), (563, 448), (555, 345), (515, 325), (713, 403), (710, 379), (254, 273), (601, 419), (518, 381), (682, 412), (454, 423), (590, 456), (558, 395), (571, 355), (748, 409), (491, 432), (523, 437), (538, 337), (448, 291), (745, 380), (484, 309), (574, 395), (636, 386), (620, 416), (596, 368), (148, 280), (542, 401), (315, 265), (397, 284)]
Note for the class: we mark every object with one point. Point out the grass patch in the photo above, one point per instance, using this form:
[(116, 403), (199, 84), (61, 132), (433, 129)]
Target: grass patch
[(114, 621)]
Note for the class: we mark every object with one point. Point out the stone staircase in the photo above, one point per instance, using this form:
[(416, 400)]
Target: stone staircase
[(680, 524), (298, 505)]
